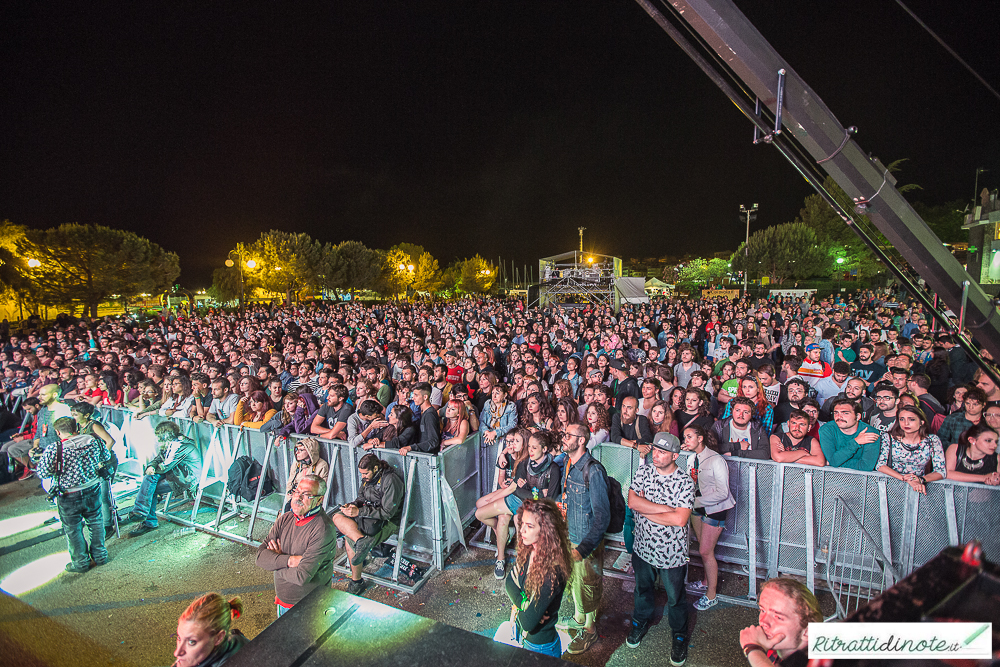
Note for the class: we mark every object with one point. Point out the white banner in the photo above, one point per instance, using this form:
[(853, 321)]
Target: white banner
[(889, 641)]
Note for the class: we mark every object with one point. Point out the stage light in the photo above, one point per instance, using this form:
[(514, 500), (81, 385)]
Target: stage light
[(20, 524), (35, 574)]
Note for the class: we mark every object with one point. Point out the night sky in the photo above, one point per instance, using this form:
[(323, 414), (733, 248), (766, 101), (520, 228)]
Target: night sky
[(490, 127)]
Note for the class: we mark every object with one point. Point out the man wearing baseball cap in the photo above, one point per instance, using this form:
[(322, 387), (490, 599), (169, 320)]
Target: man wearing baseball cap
[(813, 368), (661, 498)]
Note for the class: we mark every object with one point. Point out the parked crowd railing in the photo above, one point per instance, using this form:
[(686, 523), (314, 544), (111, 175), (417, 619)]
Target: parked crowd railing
[(439, 503)]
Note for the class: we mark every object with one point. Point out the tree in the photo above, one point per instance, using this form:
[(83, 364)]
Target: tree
[(477, 276), (86, 264), (427, 276), (395, 273), (945, 220), (225, 284), (781, 252), (286, 262), (357, 267)]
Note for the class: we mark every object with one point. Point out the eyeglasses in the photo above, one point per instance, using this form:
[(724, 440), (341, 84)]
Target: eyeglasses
[(572, 435), (884, 398)]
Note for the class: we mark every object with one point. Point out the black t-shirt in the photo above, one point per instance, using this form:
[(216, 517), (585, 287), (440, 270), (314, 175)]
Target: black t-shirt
[(332, 417)]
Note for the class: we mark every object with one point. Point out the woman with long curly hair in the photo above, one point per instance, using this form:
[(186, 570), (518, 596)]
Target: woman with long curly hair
[(598, 422), (541, 571), (538, 414)]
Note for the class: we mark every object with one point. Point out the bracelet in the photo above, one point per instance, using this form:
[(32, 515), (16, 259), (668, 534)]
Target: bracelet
[(750, 648)]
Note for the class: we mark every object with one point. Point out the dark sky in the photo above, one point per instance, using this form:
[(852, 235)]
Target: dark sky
[(491, 127)]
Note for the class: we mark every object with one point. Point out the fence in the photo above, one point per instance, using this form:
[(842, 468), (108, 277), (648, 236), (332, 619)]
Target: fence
[(786, 520), (441, 491), (785, 512)]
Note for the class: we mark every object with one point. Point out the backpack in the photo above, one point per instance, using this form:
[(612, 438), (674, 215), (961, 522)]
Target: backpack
[(615, 497), (244, 475)]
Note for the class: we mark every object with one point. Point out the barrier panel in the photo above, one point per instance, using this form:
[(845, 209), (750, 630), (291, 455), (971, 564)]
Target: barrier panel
[(784, 515), (783, 522), (441, 490)]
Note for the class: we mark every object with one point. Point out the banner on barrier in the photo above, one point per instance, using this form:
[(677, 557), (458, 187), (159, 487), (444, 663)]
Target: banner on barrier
[(720, 293)]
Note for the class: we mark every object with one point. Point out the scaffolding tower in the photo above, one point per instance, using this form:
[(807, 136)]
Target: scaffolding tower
[(577, 277)]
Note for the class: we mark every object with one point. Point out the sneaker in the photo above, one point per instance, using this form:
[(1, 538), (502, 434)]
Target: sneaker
[(141, 530), (636, 635), (697, 587), (76, 570), (129, 518), (582, 642), (569, 623), (704, 603), (679, 651), (102, 562), (500, 569), (27, 474), (357, 587)]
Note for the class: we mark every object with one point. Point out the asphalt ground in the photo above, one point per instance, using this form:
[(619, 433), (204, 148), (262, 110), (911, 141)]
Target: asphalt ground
[(125, 612)]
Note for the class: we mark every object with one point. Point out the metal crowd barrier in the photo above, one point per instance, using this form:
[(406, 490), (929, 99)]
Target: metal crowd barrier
[(439, 504), (783, 522)]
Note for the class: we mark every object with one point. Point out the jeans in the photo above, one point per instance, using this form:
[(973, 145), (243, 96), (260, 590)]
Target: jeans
[(106, 502), (554, 648), (74, 510), (673, 582), (149, 493)]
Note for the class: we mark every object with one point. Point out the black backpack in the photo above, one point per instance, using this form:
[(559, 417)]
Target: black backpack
[(244, 475), (615, 496)]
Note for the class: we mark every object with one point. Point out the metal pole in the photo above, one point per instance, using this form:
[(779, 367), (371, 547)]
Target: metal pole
[(961, 311)]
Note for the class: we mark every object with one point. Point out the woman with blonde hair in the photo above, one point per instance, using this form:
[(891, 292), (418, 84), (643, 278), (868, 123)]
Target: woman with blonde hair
[(205, 636), (541, 571)]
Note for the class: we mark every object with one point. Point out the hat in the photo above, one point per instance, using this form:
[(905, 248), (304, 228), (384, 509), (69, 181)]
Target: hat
[(617, 364), (811, 346), (668, 442)]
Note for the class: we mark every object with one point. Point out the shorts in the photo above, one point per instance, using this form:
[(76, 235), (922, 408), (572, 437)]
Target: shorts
[(513, 503), (369, 542), (588, 581), (716, 519)]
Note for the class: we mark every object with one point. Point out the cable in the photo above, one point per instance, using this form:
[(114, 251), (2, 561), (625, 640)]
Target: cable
[(948, 49)]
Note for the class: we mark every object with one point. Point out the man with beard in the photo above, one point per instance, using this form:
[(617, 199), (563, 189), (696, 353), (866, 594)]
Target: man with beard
[(787, 608), (848, 442), (864, 367)]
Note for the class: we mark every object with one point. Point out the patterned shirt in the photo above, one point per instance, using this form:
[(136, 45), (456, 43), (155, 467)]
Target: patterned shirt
[(81, 456), (662, 546), (911, 460)]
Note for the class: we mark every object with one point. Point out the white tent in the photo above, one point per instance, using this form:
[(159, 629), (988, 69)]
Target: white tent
[(632, 290)]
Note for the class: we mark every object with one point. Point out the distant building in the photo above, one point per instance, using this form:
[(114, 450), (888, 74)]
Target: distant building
[(984, 240)]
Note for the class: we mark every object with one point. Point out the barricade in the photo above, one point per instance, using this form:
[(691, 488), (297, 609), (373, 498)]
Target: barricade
[(783, 520), (441, 490)]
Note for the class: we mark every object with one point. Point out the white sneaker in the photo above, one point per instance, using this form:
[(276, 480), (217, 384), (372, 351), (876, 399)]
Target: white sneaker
[(704, 603)]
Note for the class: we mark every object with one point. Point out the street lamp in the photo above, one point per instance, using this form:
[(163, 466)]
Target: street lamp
[(750, 213), (34, 263), (240, 253)]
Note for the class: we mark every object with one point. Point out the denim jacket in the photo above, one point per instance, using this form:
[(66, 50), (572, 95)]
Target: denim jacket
[(588, 511)]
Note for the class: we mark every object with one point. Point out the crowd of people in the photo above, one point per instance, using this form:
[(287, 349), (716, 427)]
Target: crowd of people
[(861, 382)]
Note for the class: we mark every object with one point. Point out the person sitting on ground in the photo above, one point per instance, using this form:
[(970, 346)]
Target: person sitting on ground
[(308, 461), (255, 411), (175, 469), (974, 457), (373, 517), (848, 442), (301, 546), (908, 447), (796, 445), (205, 636), (787, 608), (536, 583)]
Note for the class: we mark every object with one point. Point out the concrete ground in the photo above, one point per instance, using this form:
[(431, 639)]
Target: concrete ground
[(125, 613)]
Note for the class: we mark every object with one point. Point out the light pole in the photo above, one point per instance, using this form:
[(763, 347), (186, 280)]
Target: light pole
[(751, 214), (240, 252)]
